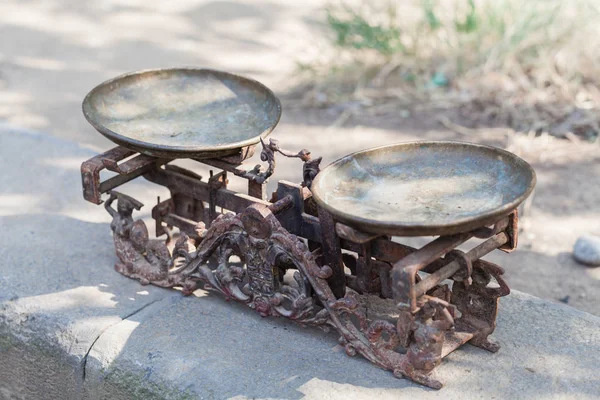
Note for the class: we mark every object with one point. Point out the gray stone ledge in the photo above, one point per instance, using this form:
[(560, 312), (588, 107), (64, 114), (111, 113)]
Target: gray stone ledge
[(71, 327), (175, 347), (205, 347)]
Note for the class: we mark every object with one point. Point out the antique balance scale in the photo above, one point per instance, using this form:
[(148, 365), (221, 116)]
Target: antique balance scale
[(319, 252)]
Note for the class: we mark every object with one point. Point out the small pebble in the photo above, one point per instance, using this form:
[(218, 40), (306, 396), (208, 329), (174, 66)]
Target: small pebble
[(587, 250)]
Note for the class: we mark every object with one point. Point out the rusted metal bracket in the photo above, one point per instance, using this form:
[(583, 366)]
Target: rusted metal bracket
[(348, 233), (215, 182), (93, 187), (404, 273), (332, 253), (512, 230)]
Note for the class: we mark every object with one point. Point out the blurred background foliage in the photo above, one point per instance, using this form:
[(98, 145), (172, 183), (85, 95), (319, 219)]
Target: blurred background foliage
[(532, 65)]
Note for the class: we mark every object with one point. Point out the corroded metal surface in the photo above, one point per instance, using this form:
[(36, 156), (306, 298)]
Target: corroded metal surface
[(459, 191), (430, 318), (259, 175), (94, 187), (183, 112), (424, 188), (411, 345), (139, 256)]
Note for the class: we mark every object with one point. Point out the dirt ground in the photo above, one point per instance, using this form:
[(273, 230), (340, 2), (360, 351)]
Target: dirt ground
[(53, 52)]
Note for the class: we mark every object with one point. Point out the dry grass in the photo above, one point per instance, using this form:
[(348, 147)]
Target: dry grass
[(531, 65)]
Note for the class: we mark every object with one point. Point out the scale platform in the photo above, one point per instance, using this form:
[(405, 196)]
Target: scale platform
[(424, 188), (182, 112)]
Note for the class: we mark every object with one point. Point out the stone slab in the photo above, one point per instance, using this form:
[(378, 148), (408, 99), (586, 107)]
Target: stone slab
[(55, 300), (208, 348), (71, 327)]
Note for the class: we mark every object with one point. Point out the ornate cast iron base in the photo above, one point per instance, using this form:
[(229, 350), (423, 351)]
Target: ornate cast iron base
[(411, 343), (292, 264)]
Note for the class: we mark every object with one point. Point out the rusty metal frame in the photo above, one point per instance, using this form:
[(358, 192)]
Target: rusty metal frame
[(434, 318)]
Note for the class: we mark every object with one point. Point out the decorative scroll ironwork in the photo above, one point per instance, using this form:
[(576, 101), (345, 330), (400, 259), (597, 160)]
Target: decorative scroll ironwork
[(277, 275), (266, 251), (311, 166), (139, 257)]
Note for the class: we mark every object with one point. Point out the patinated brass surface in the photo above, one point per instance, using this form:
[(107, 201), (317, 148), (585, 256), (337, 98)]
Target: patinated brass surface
[(424, 188), (183, 112)]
